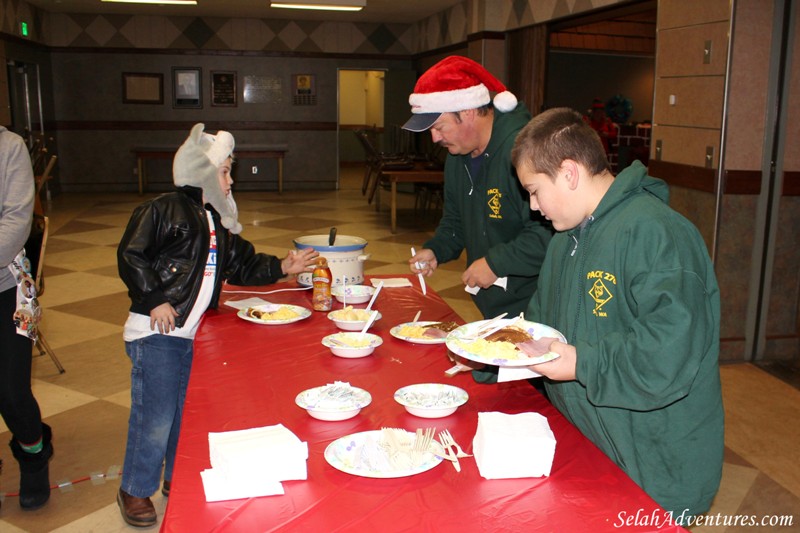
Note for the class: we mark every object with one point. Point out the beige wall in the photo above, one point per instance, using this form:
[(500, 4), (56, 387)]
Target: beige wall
[(689, 91)]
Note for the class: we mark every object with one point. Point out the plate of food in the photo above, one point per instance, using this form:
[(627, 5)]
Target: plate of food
[(274, 314), (423, 332), (516, 342), (385, 453)]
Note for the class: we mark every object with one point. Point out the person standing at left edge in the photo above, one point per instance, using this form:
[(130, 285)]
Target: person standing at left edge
[(31, 439), (174, 256)]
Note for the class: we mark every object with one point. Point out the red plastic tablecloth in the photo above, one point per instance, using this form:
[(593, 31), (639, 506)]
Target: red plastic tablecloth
[(247, 375)]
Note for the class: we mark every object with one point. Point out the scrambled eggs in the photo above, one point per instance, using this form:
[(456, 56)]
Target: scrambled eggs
[(281, 313), (352, 341), (412, 332), (490, 349)]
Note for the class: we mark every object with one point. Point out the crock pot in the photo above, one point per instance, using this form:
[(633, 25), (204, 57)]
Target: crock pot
[(345, 258)]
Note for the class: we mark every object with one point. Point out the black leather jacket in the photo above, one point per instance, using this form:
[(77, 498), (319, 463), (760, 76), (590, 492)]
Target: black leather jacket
[(161, 257)]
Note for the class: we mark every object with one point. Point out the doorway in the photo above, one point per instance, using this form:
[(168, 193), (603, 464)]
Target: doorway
[(361, 107), (373, 99)]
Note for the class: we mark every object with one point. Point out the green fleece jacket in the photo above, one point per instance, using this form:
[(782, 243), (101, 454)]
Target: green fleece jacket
[(634, 291), (489, 215)]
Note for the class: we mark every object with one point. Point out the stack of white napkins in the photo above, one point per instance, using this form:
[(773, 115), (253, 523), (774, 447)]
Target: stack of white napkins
[(390, 282), (512, 446), (252, 462), (500, 282)]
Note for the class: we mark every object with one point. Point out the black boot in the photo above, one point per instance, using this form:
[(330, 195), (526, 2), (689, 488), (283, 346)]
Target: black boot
[(34, 485)]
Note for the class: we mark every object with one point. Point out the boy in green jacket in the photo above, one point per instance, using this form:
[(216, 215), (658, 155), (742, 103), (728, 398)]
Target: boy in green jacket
[(629, 283)]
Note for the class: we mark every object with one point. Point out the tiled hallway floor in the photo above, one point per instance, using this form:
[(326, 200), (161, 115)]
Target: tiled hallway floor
[(86, 304)]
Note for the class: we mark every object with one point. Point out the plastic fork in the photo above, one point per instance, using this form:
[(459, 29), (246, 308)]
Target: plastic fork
[(488, 326), (447, 441), (452, 441), (513, 321)]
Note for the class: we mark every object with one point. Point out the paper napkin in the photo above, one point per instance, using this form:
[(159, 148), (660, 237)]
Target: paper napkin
[(511, 373), (247, 302), (253, 462), (221, 486), (390, 282), (500, 282), (513, 446)]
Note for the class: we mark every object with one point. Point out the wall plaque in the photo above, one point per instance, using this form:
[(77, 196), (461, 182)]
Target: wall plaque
[(223, 88), (263, 90)]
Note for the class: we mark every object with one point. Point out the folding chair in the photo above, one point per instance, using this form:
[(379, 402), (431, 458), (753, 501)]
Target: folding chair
[(377, 162), (34, 250), (41, 184)]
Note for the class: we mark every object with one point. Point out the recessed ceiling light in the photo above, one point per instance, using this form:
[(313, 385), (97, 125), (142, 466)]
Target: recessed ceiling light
[(323, 5), (170, 2)]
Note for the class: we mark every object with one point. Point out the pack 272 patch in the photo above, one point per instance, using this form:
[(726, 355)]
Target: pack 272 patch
[(494, 202), (600, 291)]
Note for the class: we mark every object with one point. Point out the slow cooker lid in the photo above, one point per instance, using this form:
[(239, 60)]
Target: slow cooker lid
[(344, 243)]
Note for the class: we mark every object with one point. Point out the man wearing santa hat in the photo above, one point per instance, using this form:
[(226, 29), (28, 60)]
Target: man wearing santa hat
[(485, 210)]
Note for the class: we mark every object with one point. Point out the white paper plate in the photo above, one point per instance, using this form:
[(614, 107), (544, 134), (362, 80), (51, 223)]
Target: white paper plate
[(359, 454), (346, 404), (462, 347), (353, 294), (395, 332), (431, 400), (302, 313)]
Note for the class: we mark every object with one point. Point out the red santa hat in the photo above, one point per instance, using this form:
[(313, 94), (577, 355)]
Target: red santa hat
[(454, 84)]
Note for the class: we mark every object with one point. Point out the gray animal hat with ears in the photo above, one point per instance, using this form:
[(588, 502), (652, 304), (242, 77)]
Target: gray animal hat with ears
[(196, 163)]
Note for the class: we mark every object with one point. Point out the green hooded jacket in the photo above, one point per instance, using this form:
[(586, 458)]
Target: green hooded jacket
[(634, 290), (489, 215)]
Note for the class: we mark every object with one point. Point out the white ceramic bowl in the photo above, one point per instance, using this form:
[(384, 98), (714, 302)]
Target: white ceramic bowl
[(335, 402), (431, 400), (342, 344), (353, 294), (350, 325)]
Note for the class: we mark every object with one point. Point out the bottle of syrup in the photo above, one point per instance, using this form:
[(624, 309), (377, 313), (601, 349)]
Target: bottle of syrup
[(321, 280)]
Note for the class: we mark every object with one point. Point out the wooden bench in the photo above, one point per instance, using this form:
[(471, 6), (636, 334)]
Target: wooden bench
[(265, 151)]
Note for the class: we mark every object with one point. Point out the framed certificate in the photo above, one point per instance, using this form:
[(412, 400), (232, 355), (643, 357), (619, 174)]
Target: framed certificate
[(142, 88), (186, 87)]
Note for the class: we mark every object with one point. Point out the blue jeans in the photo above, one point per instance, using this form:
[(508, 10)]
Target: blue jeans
[(159, 377)]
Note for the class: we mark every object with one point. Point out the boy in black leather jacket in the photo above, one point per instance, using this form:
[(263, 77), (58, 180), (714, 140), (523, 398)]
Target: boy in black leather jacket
[(176, 252)]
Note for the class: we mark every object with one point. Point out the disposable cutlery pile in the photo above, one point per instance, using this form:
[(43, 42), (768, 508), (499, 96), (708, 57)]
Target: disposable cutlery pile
[(406, 450), (422, 445)]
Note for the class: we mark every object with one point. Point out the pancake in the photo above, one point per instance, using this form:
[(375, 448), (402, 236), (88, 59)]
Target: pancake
[(444, 326), (510, 334)]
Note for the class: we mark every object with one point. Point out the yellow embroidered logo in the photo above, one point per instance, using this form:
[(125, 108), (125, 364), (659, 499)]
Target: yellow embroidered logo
[(494, 202), (599, 290)]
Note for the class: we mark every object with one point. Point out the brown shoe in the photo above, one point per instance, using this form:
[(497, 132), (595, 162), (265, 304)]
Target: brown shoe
[(165, 488), (137, 512)]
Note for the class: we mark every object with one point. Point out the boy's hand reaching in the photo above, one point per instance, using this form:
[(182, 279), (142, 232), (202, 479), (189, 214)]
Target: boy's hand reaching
[(298, 261), (561, 369), (164, 316)]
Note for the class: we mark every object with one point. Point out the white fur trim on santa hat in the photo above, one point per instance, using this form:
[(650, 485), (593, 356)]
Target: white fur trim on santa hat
[(460, 100), (450, 101)]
